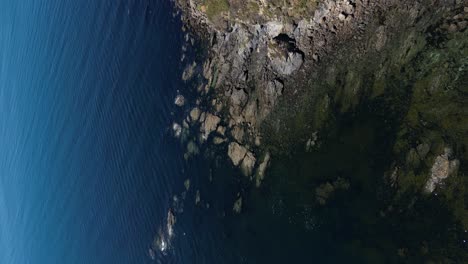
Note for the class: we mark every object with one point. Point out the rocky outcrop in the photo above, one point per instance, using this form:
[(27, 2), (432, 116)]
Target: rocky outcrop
[(236, 153), (163, 239), (209, 125), (443, 167), (261, 68), (241, 156)]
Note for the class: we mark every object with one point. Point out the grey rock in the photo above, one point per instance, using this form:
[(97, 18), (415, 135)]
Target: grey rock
[(221, 130), (274, 28), (177, 129), (287, 64), (442, 168), (236, 153), (248, 164), (195, 114), (250, 112), (273, 91), (209, 125), (179, 100), (261, 169), (189, 71), (239, 97), (238, 133), (219, 140)]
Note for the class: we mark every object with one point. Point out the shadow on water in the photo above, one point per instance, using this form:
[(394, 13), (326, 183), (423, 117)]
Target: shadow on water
[(282, 221), (285, 221)]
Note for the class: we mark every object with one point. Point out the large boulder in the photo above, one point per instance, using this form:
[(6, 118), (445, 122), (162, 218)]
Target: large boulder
[(209, 125), (236, 153), (195, 114)]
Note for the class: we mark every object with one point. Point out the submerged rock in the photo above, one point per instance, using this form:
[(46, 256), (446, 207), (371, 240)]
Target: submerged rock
[(179, 100), (189, 71), (219, 140), (171, 220), (325, 191), (311, 142), (163, 238), (197, 197), (192, 150), (160, 243), (187, 184), (261, 169), (237, 208), (177, 129), (422, 150), (248, 164), (195, 114)]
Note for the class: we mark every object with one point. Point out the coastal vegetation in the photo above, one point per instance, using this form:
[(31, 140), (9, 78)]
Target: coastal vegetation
[(214, 8)]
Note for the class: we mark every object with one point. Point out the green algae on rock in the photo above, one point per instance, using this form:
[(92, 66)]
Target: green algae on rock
[(287, 78)]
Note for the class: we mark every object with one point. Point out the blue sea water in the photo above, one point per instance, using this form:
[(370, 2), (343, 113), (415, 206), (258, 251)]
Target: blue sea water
[(87, 168)]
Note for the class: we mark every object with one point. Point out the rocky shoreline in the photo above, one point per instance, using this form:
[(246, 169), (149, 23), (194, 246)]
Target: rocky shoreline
[(273, 76), (254, 62)]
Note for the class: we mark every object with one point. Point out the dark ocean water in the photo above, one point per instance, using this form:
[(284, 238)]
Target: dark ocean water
[(87, 166)]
